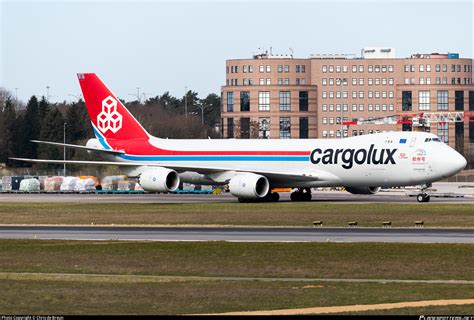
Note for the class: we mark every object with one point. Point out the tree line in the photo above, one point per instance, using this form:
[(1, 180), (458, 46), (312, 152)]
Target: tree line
[(163, 116)]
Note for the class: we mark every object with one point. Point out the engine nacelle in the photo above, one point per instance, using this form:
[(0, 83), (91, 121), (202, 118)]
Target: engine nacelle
[(363, 190), (159, 180), (249, 185)]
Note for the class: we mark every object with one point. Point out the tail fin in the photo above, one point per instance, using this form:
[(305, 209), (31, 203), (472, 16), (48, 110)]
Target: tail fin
[(110, 118)]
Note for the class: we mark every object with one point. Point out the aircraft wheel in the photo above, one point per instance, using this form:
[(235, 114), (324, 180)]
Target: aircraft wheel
[(275, 197), (295, 196), (423, 197), (307, 196)]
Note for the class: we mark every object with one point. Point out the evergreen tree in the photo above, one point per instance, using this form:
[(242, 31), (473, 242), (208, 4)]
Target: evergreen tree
[(43, 108), (30, 128), (11, 144), (212, 109), (52, 130)]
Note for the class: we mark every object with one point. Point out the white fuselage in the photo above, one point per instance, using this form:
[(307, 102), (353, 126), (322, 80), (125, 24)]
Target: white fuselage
[(383, 159)]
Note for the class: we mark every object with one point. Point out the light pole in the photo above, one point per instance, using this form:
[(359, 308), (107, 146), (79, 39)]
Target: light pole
[(64, 148), (341, 82), (16, 94)]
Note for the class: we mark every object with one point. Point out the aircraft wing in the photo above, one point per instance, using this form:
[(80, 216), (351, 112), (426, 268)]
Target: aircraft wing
[(272, 175), (75, 146)]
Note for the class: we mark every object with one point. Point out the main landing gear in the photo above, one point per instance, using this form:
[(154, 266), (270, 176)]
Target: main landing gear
[(423, 196), (270, 197), (301, 195)]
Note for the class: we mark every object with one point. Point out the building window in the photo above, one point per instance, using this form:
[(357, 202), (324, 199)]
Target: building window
[(250, 81), (269, 68), (325, 69), (244, 69), (287, 68), (261, 69), (268, 81), (390, 68), (297, 68), (438, 68), (422, 68), (250, 69), (443, 132), (280, 69), (325, 81), (371, 81), (261, 81), (263, 101), (230, 128), (354, 69), (442, 100), (230, 101), (459, 100), (285, 99), (303, 97), (304, 130), (303, 69), (280, 81), (287, 81), (297, 82), (325, 120), (325, 107), (244, 128), (406, 101), (331, 69), (423, 100), (428, 68), (285, 128), (245, 101), (445, 68), (338, 69), (361, 69), (264, 128), (344, 69)]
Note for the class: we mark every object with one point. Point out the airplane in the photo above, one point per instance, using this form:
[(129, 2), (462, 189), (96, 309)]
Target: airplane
[(252, 168)]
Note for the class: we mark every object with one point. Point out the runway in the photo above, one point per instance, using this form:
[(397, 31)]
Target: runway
[(318, 197), (241, 234)]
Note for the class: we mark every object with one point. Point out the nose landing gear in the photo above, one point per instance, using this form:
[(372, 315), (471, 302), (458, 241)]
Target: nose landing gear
[(423, 196)]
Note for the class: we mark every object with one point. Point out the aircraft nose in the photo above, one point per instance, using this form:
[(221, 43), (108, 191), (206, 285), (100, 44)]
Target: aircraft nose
[(457, 161)]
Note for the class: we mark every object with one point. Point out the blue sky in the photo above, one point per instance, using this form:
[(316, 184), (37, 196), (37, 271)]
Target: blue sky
[(164, 46)]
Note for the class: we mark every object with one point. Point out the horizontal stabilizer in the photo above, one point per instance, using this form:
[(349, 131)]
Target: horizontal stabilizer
[(75, 146)]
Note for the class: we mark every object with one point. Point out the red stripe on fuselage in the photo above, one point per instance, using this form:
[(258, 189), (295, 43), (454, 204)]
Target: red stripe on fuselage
[(143, 147)]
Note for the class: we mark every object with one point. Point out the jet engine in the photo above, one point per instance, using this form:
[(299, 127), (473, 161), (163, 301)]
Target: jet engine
[(159, 180), (363, 190), (249, 186)]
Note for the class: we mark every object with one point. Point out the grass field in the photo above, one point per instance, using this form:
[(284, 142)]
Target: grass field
[(269, 214), (130, 294)]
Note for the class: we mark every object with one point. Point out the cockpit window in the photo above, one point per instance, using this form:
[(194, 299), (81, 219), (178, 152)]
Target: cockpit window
[(432, 140)]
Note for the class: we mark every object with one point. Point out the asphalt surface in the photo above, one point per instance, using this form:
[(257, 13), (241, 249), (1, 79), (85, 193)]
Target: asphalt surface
[(322, 197), (241, 234)]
